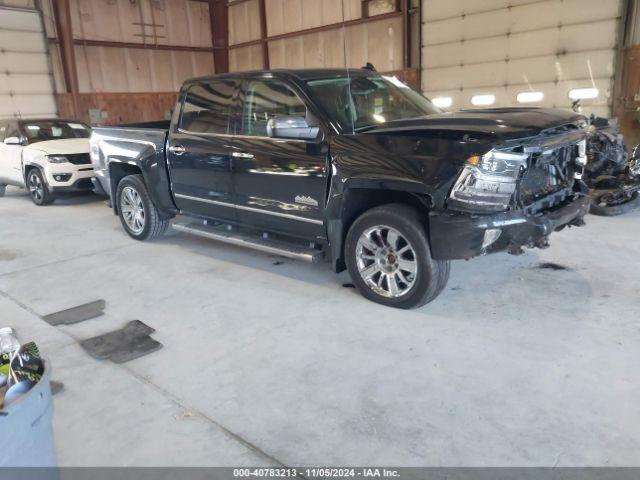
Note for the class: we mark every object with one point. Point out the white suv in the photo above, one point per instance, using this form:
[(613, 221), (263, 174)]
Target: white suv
[(48, 157)]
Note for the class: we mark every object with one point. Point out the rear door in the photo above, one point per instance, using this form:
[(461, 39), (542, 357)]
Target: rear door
[(198, 151), (280, 184)]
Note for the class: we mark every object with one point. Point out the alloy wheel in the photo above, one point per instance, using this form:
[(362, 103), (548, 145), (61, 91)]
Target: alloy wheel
[(386, 261), (36, 189), (132, 210)]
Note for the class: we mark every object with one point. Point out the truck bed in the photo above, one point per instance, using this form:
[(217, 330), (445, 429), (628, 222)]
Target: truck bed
[(129, 149), (154, 125)]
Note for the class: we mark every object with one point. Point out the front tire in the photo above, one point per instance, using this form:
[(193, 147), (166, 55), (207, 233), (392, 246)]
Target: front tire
[(38, 188), (389, 259), (606, 205), (138, 215)]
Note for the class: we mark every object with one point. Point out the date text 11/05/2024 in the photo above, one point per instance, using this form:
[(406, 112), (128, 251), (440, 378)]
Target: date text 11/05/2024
[(316, 472)]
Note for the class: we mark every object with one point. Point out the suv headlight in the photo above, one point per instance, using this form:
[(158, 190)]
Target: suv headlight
[(488, 182), (57, 159)]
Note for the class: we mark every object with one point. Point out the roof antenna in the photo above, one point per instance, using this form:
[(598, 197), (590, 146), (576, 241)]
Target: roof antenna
[(344, 49), (369, 66)]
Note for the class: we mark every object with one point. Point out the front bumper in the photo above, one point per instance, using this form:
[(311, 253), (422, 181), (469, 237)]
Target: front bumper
[(80, 185), (75, 178), (456, 235)]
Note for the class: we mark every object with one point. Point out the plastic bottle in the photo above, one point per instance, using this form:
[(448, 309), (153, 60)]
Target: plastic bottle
[(8, 341)]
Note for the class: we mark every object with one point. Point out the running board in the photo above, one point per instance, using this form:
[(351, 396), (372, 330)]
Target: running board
[(223, 233)]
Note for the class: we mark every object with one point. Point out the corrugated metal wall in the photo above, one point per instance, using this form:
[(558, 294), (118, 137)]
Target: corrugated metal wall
[(18, 3), (26, 87), (634, 28), (505, 47)]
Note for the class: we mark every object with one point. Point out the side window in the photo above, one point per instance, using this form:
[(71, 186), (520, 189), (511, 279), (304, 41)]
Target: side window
[(3, 130), (265, 99), (206, 107)]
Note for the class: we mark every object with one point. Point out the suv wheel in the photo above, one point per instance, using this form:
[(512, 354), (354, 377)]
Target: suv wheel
[(138, 215), (389, 259), (38, 188)]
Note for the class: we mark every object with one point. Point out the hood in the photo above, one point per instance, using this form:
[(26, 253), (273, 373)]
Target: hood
[(502, 123), (61, 147)]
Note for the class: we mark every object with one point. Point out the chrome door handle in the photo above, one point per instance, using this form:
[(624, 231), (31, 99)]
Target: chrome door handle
[(242, 155), (177, 149)]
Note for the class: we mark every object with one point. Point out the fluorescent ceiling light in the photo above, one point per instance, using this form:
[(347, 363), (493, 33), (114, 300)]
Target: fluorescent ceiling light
[(379, 118), (442, 102), (481, 100), (583, 93), (529, 97)]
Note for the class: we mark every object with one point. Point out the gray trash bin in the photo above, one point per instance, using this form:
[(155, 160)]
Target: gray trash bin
[(26, 431)]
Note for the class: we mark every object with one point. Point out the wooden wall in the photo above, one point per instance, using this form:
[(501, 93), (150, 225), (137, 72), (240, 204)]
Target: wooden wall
[(133, 55), (377, 41), (151, 24), (120, 107)]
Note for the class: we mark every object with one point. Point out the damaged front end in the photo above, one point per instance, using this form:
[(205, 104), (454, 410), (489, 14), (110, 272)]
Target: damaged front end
[(514, 196)]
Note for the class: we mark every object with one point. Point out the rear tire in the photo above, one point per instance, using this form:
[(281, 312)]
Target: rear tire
[(389, 259), (38, 188), (3, 189), (138, 215)]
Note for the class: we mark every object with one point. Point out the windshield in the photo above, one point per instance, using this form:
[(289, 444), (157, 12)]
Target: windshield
[(370, 102), (43, 130)]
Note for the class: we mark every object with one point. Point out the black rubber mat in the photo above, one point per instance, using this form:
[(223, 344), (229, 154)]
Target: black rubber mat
[(76, 314), (131, 341)]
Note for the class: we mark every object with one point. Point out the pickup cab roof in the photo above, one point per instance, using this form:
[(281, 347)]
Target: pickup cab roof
[(303, 74)]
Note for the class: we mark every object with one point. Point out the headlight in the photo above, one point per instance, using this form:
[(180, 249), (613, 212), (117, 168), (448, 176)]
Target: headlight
[(94, 152), (57, 159), (488, 182)]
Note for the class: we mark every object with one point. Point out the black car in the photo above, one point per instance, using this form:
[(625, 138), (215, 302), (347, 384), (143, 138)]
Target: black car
[(349, 165)]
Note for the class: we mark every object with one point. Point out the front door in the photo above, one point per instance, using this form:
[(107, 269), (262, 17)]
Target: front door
[(280, 184), (198, 151), (10, 156)]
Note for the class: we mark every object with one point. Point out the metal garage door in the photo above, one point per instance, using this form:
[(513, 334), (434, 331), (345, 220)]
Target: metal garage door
[(499, 49), (26, 87)]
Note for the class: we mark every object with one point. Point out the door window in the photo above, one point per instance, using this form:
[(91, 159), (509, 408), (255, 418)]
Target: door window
[(265, 99), (206, 107)]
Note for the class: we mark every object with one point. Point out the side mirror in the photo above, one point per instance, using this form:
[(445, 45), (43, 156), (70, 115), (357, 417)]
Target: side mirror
[(12, 141), (291, 127)]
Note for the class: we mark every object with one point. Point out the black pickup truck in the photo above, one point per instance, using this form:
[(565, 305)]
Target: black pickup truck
[(348, 165)]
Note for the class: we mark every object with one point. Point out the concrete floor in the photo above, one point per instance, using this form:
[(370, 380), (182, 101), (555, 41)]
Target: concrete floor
[(267, 362)]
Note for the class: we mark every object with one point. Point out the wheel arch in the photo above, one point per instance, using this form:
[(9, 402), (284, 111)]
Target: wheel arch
[(357, 200), (27, 167), (118, 171), (155, 183)]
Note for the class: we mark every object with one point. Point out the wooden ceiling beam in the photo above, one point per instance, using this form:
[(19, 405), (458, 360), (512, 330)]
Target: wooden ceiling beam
[(62, 15), (219, 19)]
